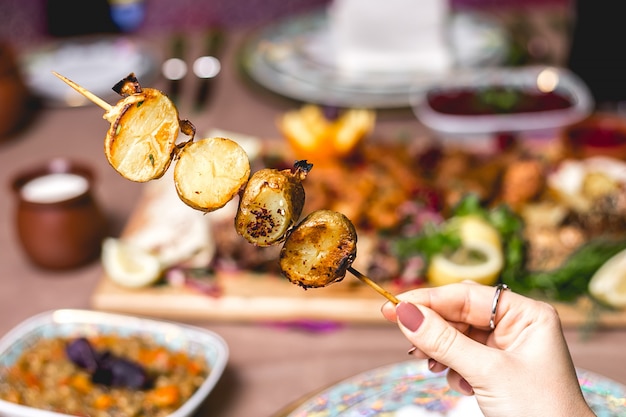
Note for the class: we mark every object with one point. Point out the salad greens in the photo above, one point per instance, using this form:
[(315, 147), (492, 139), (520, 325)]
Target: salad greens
[(566, 283)]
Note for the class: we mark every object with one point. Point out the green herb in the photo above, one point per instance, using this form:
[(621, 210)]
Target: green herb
[(500, 99), (151, 157), (118, 128), (432, 240), (571, 279), (139, 104)]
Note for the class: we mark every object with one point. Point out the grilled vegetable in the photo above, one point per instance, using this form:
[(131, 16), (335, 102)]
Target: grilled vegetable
[(210, 172), (319, 250), (141, 140), (271, 204)]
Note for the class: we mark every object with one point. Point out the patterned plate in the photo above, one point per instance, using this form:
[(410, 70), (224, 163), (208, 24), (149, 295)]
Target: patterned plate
[(409, 389)]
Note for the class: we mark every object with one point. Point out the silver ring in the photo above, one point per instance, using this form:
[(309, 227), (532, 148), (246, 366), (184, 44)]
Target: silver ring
[(494, 304)]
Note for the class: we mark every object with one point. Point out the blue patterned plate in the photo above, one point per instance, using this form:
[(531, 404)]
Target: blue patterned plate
[(409, 389)]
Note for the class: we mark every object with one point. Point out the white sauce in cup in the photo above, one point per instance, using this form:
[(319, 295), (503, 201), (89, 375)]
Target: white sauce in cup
[(53, 188)]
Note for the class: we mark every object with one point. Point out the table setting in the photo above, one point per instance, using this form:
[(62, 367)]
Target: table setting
[(173, 268)]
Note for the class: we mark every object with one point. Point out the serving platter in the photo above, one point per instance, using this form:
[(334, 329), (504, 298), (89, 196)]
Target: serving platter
[(293, 57), (257, 297)]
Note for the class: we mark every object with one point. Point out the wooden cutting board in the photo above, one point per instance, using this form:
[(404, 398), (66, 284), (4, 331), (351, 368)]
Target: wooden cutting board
[(253, 297), (258, 298)]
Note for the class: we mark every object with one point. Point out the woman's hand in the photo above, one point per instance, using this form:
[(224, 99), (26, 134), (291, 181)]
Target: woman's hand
[(521, 368)]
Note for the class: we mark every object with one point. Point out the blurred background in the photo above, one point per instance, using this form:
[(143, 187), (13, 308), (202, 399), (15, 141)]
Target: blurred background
[(45, 18)]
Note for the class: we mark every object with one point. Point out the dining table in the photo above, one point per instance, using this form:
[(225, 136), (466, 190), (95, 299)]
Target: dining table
[(269, 366)]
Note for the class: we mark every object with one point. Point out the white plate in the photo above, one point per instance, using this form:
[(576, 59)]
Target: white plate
[(291, 58), (72, 323), (95, 63), (568, 84), (410, 389)]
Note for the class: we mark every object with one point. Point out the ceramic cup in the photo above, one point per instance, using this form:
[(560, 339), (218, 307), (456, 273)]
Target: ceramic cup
[(59, 223)]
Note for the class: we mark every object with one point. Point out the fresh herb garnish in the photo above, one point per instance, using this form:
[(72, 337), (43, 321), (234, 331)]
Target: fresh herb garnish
[(571, 279), (501, 99)]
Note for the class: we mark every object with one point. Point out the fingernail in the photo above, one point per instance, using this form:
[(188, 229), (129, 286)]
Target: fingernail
[(465, 386), (409, 316), (431, 363)]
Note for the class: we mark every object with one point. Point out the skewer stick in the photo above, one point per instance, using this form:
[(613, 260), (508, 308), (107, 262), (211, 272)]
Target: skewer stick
[(389, 296), (91, 96)]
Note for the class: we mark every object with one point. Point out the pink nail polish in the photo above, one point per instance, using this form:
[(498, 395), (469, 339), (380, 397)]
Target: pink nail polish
[(409, 316), (465, 386)]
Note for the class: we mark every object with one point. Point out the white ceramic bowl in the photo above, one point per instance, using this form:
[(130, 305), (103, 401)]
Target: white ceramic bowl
[(72, 323), (565, 83)]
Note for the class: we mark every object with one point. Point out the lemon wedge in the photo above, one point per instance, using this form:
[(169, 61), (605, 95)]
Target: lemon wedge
[(129, 265), (608, 284), (480, 257), (476, 229), (476, 261)]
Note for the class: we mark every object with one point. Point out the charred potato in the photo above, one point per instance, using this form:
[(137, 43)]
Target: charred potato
[(319, 250), (271, 204), (141, 140)]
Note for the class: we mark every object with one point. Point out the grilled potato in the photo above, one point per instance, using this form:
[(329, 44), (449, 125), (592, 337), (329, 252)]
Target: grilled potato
[(210, 172), (319, 250), (271, 204), (141, 140)]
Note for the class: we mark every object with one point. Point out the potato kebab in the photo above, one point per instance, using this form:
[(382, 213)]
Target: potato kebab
[(141, 143)]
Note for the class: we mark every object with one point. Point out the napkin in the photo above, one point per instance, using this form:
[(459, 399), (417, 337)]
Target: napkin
[(389, 35)]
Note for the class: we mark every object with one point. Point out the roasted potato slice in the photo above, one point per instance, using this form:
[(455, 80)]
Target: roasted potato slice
[(210, 172), (271, 204), (319, 250), (141, 140)]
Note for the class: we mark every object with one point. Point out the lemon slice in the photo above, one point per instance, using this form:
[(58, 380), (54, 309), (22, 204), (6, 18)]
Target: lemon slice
[(476, 229), (480, 257), (608, 284), (477, 261), (129, 265)]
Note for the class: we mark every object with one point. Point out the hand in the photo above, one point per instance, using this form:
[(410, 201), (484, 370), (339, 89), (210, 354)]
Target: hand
[(521, 368)]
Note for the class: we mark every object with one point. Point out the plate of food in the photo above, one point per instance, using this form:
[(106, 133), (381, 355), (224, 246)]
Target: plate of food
[(410, 389), (81, 362), (504, 100)]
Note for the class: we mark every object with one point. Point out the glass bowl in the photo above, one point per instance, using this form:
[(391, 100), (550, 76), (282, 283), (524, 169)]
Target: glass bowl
[(497, 101)]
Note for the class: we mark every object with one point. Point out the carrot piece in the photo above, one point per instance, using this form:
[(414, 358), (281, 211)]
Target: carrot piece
[(194, 367), (103, 402), (31, 380), (164, 396), (81, 383)]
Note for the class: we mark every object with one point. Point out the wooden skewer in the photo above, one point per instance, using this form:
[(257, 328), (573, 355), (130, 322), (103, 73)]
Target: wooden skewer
[(389, 296), (91, 96)]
